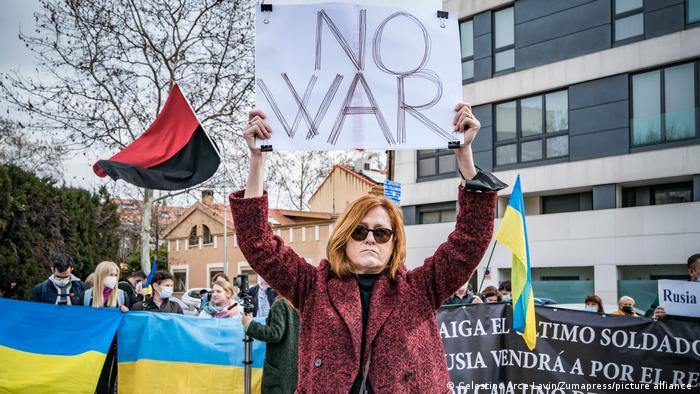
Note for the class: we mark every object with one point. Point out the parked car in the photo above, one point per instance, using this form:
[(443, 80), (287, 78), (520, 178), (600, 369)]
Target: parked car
[(187, 309), (193, 296)]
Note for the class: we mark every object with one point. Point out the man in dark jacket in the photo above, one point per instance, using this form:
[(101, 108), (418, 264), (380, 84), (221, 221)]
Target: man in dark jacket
[(159, 301), (132, 287), (62, 287), (463, 295), (281, 333), (263, 297), (657, 311)]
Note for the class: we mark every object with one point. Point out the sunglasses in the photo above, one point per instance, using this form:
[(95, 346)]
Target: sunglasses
[(381, 235)]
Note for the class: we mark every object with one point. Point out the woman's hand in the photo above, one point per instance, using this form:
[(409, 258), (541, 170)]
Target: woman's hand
[(466, 122), (257, 128), (123, 308), (245, 319)]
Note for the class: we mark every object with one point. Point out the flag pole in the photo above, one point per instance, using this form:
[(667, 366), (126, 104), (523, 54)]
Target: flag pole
[(483, 278), (216, 148)]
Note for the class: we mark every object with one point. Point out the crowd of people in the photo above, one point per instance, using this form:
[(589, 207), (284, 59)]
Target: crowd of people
[(626, 305), (103, 289)]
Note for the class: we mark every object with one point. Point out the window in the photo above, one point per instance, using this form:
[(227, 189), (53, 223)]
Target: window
[(532, 128), (670, 193), (629, 19), (180, 281), (437, 213), (567, 203), (208, 238), (466, 37), (663, 105), (194, 240), (436, 163), (504, 40), (693, 11)]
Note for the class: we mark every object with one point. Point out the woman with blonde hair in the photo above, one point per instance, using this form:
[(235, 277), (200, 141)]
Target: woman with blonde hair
[(105, 279), (105, 294), (368, 324), (222, 302)]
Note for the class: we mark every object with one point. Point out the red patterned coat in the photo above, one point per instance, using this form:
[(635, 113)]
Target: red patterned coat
[(407, 355)]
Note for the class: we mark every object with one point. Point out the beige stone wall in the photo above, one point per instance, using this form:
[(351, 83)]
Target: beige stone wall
[(339, 190), (200, 260)]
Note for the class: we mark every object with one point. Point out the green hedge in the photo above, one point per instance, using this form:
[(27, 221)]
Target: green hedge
[(39, 219)]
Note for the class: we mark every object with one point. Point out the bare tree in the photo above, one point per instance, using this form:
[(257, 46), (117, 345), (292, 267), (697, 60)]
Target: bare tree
[(297, 175), (106, 68), (30, 153)]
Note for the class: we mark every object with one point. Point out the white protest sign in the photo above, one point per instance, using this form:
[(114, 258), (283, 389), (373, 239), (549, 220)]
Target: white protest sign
[(339, 76), (679, 297)]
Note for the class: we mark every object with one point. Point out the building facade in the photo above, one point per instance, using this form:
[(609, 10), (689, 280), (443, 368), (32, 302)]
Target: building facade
[(594, 103), (196, 240)]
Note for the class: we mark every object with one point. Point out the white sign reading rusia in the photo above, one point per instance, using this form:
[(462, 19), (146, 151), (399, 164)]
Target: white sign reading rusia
[(339, 76), (680, 297)]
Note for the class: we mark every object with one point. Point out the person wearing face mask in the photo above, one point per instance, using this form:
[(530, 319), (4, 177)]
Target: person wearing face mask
[(657, 311), (105, 283), (626, 307), (105, 294), (162, 284), (263, 297), (222, 303), (62, 287), (463, 295), (594, 304), (505, 291), (132, 287)]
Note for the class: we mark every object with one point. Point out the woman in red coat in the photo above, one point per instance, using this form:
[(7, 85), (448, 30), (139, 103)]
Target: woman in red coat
[(367, 323)]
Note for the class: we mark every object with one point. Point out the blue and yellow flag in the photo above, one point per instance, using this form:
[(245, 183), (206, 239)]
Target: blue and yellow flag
[(169, 353), (513, 234), (48, 348)]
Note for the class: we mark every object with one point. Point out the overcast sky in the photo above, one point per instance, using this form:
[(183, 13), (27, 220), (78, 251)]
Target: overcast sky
[(16, 15)]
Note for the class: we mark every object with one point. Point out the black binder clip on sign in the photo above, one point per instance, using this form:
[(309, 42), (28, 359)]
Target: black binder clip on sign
[(443, 15), (267, 8)]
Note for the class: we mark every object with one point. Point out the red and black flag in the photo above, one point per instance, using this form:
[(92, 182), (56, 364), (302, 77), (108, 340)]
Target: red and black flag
[(174, 153)]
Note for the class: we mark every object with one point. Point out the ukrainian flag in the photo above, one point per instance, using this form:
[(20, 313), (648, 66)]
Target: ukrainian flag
[(53, 349), (170, 353), (513, 234)]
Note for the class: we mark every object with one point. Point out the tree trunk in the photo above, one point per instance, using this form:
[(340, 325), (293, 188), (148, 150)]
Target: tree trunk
[(146, 230)]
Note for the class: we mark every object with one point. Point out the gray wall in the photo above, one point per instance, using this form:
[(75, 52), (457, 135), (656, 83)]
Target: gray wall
[(482, 46), (599, 118), (663, 17), (482, 147), (604, 196), (547, 31)]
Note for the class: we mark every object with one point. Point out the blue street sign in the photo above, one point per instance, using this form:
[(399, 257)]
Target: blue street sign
[(392, 191)]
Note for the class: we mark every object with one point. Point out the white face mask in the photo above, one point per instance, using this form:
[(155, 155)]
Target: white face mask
[(166, 292), (591, 308), (61, 282), (110, 282)]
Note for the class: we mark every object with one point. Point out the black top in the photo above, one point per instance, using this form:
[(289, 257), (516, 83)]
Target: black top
[(366, 283)]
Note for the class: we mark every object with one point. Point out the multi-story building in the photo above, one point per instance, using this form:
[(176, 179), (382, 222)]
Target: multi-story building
[(594, 104)]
